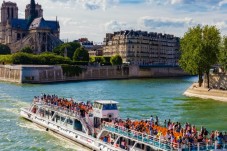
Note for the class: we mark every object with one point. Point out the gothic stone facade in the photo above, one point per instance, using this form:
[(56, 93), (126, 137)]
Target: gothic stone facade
[(33, 31), (143, 48)]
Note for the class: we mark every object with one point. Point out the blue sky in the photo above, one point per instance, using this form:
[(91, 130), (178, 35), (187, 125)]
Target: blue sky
[(94, 18)]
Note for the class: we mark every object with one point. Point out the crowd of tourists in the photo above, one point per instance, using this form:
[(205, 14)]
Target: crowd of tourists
[(65, 104), (172, 133), (169, 132)]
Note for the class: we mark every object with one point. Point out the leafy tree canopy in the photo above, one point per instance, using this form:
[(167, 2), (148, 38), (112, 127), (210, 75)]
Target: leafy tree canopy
[(27, 50), (199, 50), (223, 54), (70, 47), (116, 60), (100, 59), (81, 55), (4, 49)]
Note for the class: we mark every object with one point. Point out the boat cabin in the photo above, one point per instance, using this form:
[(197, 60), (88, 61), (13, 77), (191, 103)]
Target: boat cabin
[(104, 110)]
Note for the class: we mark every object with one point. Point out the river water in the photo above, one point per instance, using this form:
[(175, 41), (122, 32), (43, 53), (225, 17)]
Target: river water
[(138, 99)]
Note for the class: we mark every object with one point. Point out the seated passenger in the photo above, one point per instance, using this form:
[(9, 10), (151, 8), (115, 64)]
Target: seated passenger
[(219, 140), (105, 139)]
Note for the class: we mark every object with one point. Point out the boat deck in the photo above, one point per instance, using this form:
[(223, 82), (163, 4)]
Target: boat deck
[(159, 143)]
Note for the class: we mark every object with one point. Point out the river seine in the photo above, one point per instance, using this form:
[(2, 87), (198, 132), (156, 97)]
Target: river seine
[(138, 99)]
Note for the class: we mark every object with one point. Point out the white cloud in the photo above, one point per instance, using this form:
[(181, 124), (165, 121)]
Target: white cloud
[(154, 22), (114, 25), (176, 1), (161, 2), (221, 3), (222, 25), (90, 4), (78, 20)]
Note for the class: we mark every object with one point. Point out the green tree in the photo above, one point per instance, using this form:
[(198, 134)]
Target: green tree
[(27, 49), (116, 60), (97, 59), (4, 49), (199, 50), (223, 54), (81, 55), (70, 47)]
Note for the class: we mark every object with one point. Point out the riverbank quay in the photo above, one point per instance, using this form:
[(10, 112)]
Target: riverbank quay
[(205, 93), (54, 73)]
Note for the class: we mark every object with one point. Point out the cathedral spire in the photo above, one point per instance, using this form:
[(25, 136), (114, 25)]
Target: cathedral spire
[(32, 12)]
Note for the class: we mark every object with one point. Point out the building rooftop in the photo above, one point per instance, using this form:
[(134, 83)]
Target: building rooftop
[(39, 23), (19, 23), (138, 33), (106, 102), (36, 23)]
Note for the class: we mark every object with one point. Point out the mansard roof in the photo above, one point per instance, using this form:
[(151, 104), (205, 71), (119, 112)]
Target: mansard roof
[(137, 33)]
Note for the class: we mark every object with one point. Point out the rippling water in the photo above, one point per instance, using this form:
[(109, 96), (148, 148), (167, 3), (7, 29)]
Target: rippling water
[(138, 99)]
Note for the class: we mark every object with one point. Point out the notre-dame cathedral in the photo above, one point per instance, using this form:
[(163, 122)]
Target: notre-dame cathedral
[(34, 31)]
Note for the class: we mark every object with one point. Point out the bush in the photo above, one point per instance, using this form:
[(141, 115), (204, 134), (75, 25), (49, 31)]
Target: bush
[(27, 50), (42, 59), (100, 59), (116, 60), (23, 58), (71, 71), (82, 63), (6, 59), (4, 49)]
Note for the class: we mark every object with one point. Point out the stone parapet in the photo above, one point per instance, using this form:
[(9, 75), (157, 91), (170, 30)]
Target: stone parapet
[(54, 73)]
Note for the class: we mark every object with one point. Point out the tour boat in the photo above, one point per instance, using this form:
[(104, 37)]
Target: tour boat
[(93, 128)]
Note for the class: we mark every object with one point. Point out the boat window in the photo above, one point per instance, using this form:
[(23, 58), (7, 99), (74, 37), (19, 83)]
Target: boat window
[(57, 118), (47, 113), (69, 121), (99, 106), (62, 119), (96, 105), (109, 107)]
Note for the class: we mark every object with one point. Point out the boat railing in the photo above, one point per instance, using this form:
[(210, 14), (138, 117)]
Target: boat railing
[(66, 111), (63, 110), (158, 141)]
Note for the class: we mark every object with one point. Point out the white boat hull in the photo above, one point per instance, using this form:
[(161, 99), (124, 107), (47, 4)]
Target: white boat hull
[(74, 135)]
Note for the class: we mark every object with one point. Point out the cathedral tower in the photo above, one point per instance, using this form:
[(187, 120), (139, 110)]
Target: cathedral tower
[(9, 11), (33, 9)]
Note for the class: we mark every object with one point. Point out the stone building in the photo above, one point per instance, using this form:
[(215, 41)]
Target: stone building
[(143, 48), (33, 31)]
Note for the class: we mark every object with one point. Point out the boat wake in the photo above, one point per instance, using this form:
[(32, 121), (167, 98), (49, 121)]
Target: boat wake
[(29, 125), (68, 144), (61, 141), (15, 111)]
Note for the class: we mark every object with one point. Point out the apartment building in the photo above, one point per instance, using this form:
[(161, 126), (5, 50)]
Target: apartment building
[(143, 48)]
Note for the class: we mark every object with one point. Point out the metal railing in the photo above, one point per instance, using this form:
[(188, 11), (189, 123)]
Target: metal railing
[(66, 111), (161, 143)]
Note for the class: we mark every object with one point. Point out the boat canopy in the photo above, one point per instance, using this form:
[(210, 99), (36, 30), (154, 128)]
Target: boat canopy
[(106, 102)]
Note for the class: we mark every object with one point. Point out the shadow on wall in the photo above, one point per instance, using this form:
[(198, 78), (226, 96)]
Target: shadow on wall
[(217, 81)]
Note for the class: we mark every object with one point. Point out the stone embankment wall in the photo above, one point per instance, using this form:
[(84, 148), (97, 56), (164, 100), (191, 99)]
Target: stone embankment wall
[(10, 73), (217, 81), (47, 74), (135, 71)]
